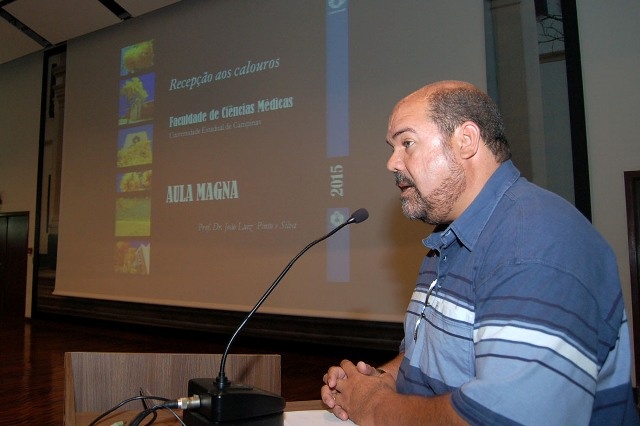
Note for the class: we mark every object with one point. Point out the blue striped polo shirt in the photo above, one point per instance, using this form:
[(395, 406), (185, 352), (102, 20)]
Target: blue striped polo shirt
[(524, 322)]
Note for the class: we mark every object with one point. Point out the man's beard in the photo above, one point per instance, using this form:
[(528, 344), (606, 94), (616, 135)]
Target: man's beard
[(437, 205)]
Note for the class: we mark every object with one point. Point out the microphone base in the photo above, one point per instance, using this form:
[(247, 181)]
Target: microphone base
[(235, 404)]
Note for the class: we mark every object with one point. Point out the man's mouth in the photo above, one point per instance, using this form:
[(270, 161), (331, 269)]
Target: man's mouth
[(404, 186), (402, 182)]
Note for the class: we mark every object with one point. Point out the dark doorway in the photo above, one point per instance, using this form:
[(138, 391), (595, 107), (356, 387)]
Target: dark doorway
[(632, 192), (14, 233)]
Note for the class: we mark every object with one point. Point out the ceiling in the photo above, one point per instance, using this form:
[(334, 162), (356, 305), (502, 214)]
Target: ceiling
[(28, 26)]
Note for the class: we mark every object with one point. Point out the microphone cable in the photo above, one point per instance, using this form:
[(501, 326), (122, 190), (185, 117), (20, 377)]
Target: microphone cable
[(128, 400)]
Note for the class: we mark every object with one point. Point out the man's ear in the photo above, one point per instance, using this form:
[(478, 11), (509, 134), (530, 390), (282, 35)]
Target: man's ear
[(469, 139)]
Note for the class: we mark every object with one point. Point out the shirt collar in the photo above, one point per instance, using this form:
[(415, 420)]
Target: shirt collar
[(468, 227)]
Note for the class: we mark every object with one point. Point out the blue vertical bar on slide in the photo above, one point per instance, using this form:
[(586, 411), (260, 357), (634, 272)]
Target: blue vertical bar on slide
[(337, 57), (338, 247), (337, 78)]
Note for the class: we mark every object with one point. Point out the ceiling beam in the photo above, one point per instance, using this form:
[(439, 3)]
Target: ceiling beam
[(116, 9), (25, 29)]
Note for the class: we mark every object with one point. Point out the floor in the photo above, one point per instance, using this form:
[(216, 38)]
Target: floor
[(32, 352)]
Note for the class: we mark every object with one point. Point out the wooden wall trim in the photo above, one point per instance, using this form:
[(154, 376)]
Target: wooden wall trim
[(328, 331)]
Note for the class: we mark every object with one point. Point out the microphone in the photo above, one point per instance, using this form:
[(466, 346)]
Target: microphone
[(358, 216), (219, 400)]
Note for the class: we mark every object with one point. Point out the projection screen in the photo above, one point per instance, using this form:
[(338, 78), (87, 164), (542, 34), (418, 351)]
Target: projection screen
[(207, 143)]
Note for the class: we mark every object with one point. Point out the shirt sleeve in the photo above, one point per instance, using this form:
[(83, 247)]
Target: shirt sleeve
[(540, 338)]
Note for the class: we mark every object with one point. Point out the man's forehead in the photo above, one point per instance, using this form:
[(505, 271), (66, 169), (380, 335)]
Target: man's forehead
[(407, 111)]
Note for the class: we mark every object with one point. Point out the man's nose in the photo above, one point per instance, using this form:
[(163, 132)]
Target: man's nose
[(395, 162)]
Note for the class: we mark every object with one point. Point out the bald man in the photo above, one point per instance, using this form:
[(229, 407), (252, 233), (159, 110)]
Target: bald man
[(517, 316)]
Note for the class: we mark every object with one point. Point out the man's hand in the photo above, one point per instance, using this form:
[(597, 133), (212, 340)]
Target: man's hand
[(351, 391), (328, 391)]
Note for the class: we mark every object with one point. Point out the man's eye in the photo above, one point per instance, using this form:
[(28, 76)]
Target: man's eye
[(407, 143)]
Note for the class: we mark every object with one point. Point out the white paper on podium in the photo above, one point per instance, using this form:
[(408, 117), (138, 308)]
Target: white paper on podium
[(312, 418)]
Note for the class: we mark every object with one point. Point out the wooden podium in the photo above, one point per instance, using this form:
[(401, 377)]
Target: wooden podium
[(97, 381)]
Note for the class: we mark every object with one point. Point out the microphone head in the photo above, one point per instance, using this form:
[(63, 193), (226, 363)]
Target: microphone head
[(358, 216)]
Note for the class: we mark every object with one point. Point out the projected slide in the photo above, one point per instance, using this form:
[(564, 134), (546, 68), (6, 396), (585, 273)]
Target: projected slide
[(227, 135)]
